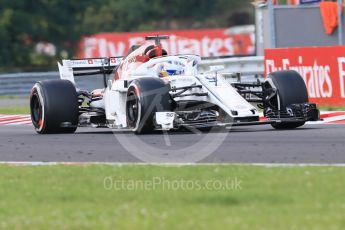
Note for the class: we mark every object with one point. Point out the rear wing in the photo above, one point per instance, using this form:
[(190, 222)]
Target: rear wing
[(90, 66)]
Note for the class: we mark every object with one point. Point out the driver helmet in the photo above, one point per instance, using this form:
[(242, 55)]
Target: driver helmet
[(169, 69)]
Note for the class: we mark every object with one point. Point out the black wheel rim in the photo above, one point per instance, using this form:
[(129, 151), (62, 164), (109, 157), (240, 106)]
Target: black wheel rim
[(132, 108)]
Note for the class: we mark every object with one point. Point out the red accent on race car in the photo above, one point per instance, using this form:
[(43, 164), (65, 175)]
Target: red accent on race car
[(137, 90), (158, 51), (263, 119), (135, 58), (40, 123), (90, 62)]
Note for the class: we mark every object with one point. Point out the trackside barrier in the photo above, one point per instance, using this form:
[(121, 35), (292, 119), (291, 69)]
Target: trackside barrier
[(245, 65), (21, 83)]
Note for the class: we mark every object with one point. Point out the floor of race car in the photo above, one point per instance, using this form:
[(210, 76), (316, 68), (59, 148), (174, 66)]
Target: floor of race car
[(319, 143)]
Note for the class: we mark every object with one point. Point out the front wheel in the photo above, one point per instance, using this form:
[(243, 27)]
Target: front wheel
[(145, 97), (290, 89)]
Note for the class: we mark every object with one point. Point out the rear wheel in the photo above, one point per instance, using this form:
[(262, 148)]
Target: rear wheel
[(54, 107), (291, 89), (145, 97)]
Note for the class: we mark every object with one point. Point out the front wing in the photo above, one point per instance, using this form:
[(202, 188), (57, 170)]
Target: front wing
[(294, 113)]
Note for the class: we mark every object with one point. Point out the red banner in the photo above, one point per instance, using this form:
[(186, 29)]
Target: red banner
[(206, 43), (322, 68)]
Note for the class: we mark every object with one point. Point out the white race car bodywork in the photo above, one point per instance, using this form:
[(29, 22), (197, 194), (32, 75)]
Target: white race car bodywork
[(216, 89)]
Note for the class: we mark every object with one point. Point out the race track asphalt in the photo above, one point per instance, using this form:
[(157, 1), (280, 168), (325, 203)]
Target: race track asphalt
[(321, 143)]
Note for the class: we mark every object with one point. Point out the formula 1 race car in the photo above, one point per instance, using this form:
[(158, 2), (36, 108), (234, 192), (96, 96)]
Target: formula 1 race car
[(150, 90)]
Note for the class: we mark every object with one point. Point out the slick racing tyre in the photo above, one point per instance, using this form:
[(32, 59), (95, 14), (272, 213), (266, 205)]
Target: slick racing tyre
[(145, 97), (291, 89), (54, 107)]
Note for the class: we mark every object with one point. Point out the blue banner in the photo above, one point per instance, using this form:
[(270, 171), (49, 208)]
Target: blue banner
[(308, 1)]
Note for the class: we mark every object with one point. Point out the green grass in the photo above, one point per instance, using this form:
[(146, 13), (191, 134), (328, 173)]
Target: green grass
[(14, 109), (74, 197), (332, 108), (14, 97), (20, 109)]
